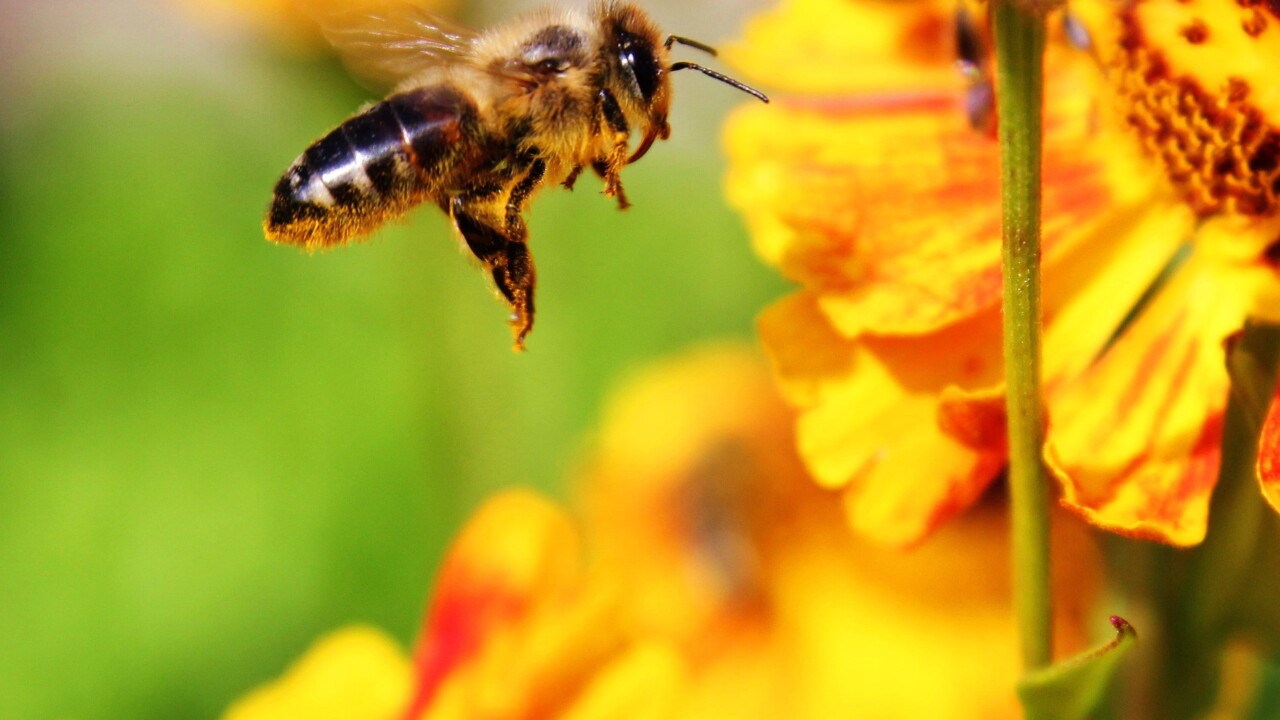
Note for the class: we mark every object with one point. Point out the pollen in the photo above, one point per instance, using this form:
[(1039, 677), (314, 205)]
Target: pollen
[(1196, 32), (1254, 23), (1220, 152)]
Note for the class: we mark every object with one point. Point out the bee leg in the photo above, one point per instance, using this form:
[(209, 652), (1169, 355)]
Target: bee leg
[(507, 258), (610, 168), (520, 195), (573, 177)]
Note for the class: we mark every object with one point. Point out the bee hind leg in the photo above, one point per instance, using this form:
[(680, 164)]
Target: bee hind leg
[(519, 196), (507, 259)]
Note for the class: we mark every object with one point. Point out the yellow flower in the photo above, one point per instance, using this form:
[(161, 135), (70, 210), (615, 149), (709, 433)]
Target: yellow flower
[(870, 187), (707, 578), (357, 673), (697, 504), (291, 20)]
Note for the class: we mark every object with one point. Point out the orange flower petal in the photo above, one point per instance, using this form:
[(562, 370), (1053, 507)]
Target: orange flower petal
[(646, 682), (669, 475), (870, 410), (883, 204), (888, 206), (518, 549), (848, 46), (791, 639), (977, 419), (1089, 295), (1134, 436), (1135, 440)]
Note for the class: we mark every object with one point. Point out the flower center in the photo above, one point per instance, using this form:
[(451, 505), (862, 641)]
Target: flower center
[(1217, 148)]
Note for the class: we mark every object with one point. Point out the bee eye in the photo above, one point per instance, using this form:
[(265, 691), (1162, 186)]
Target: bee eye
[(638, 62)]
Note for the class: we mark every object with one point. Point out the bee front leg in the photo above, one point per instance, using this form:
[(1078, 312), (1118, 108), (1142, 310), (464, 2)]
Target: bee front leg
[(505, 256), (610, 167)]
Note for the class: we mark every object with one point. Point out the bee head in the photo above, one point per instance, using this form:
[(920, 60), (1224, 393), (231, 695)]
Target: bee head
[(639, 70)]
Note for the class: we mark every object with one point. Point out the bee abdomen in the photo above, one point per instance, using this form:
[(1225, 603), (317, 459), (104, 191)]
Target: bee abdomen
[(373, 167)]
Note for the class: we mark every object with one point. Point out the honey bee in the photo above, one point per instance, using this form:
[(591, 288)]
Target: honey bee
[(479, 122)]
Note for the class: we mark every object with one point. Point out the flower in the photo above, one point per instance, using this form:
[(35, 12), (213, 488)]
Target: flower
[(357, 673), (293, 21), (870, 187), (705, 577)]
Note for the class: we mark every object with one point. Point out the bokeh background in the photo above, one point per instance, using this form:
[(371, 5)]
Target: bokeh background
[(212, 449)]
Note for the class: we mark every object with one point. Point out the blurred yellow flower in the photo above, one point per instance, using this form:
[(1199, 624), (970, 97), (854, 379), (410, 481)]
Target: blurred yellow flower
[(291, 20), (357, 673), (713, 581), (869, 187), (697, 505)]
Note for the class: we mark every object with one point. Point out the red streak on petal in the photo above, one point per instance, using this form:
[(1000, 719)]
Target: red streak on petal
[(1145, 370), (455, 629), (979, 423), (879, 103), (965, 490), (1269, 454), (1168, 497), (1198, 477)]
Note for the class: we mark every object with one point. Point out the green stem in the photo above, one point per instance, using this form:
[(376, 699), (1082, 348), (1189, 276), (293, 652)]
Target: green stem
[(1019, 37)]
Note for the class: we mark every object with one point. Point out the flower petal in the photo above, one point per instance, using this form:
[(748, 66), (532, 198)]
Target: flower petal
[(357, 673), (793, 640), (870, 412), (1134, 436), (848, 46), (1090, 294), (888, 205), (1135, 441), (516, 551)]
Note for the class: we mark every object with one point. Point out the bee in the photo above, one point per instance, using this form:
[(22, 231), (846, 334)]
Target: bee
[(477, 123)]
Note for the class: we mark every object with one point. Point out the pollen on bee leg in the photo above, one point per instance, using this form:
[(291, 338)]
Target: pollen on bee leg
[(611, 170), (519, 329)]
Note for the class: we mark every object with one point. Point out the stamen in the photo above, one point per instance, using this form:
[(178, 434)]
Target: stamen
[(1217, 149)]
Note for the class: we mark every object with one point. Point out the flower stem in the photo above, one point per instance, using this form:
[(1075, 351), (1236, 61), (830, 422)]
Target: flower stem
[(1019, 34)]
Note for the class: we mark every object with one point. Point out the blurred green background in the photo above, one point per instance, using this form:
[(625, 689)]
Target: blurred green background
[(212, 449)]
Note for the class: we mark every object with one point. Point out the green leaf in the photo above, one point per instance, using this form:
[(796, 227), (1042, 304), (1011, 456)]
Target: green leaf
[(1071, 689)]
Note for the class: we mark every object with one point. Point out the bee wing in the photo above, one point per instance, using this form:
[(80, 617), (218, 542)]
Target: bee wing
[(391, 40)]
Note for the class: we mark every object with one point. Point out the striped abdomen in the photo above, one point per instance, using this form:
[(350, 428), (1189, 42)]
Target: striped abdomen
[(374, 167)]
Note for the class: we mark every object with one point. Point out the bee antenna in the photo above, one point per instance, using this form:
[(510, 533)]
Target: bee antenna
[(691, 43), (722, 78)]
